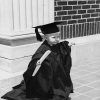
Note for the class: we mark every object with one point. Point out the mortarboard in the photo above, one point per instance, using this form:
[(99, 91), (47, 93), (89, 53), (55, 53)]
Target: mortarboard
[(46, 29)]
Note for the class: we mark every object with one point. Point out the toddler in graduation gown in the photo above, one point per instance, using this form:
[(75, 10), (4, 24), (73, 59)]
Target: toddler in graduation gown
[(52, 80)]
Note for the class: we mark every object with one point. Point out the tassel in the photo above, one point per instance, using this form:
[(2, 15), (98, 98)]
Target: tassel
[(38, 36)]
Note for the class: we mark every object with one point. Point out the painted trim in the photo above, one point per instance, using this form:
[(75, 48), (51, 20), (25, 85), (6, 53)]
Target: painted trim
[(24, 47)]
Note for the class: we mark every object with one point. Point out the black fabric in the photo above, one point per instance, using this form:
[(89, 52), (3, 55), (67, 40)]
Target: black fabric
[(53, 78), (49, 28), (38, 36), (46, 29)]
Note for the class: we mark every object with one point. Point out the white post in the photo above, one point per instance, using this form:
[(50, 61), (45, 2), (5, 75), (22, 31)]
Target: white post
[(51, 10), (6, 17), (17, 36)]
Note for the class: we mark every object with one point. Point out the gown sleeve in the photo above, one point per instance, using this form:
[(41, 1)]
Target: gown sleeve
[(65, 48), (67, 56), (40, 83), (32, 64), (67, 60)]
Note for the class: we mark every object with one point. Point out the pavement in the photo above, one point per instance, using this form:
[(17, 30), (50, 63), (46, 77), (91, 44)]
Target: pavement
[(85, 77), (86, 81)]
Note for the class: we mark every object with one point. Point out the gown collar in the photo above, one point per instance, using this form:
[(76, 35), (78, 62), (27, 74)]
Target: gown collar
[(54, 48)]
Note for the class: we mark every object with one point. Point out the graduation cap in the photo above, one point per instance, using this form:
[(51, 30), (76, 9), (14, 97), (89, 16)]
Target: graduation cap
[(46, 29)]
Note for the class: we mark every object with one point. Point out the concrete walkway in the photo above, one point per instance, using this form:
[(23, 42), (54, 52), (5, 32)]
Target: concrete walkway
[(85, 77), (86, 80)]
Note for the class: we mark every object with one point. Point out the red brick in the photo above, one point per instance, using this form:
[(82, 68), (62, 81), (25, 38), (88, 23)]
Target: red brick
[(74, 30), (97, 19), (62, 13), (90, 19), (91, 2), (81, 20), (91, 11), (81, 11), (94, 15), (67, 7), (82, 2), (76, 16), (97, 10), (65, 32), (62, 3), (58, 8), (66, 17), (71, 32), (72, 12), (72, 21), (85, 15), (76, 7), (85, 6), (57, 18), (97, 1), (95, 6), (72, 2)]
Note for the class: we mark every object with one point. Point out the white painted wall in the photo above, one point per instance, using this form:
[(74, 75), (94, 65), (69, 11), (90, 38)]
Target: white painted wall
[(18, 16), (15, 59), (16, 20)]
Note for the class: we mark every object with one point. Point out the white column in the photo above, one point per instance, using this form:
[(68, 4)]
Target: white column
[(29, 13), (46, 13), (17, 40), (23, 16), (40, 12), (16, 15), (34, 12), (6, 17), (51, 10)]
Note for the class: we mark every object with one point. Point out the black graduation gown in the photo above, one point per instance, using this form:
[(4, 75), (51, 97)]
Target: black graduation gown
[(52, 81)]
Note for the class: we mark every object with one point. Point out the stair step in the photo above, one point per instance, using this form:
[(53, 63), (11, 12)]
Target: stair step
[(8, 80)]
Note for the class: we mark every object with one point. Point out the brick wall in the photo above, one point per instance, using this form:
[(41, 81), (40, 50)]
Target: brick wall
[(79, 17)]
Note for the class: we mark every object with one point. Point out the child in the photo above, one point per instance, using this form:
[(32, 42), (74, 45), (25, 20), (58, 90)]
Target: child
[(52, 79)]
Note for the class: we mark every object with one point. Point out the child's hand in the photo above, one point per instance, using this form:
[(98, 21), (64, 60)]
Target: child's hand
[(38, 63), (71, 44)]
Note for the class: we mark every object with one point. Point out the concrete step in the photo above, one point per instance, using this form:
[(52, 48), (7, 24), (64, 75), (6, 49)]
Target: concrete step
[(8, 80)]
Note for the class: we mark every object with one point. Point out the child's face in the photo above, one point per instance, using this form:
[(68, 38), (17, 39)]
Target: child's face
[(53, 38)]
